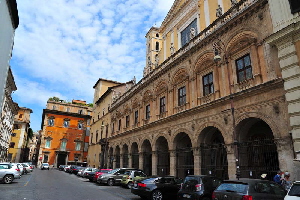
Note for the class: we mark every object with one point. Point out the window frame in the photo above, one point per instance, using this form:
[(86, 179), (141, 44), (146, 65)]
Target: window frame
[(244, 68), (162, 104), (66, 123), (63, 145), (77, 146), (48, 143), (127, 122), (147, 112), (136, 117), (182, 96), (209, 85)]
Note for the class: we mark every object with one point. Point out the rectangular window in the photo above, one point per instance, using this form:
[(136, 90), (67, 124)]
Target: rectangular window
[(162, 105), (208, 84), (80, 125), (113, 128), (127, 121), (66, 123), (148, 112), (80, 112), (181, 96), (48, 144), (50, 122), (87, 132), (244, 68), (21, 115), (78, 146), (45, 160), (295, 6), (63, 145), (120, 124), (136, 117), (188, 31), (86, 146), (12, 145)]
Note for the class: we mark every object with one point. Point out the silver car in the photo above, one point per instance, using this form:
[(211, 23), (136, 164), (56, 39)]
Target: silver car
[(9, 172)]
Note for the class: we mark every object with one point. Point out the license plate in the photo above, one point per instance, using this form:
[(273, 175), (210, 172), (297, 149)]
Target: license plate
[(186, 196)]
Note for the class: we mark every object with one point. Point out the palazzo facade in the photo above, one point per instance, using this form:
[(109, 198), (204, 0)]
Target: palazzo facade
[(212, 99)]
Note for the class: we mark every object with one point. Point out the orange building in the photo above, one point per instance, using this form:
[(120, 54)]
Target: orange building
[(65, 132)]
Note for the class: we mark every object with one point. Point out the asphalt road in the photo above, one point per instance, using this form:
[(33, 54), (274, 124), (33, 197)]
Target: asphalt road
[(58, 185)]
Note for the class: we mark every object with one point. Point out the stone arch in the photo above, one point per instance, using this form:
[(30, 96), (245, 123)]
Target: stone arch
[(184, 155), (261, 116), (203, 62), (118, 156), (201, 137), (134, 151), (180, 76), (172, 145), (257, 150), (241, 40), (147, 156), (125, 154), (213, 152), (163, 156), (161, 87)]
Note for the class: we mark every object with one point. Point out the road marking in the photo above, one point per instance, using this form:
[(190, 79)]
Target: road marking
[(27, 181)]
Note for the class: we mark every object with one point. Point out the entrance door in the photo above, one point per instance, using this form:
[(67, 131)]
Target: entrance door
[(61, 159)]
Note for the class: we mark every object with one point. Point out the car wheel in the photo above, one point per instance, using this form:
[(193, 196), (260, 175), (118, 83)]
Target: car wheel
[(156, 195), (110, 182), (8, 179), (129, 185), (48, 168)]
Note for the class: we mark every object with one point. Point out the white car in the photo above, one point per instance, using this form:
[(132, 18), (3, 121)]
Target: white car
[(294, 192), (45, 166), (9, 172), (27, 168)]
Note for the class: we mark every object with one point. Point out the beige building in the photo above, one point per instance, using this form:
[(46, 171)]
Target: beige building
[(106, 92), (213, 98)]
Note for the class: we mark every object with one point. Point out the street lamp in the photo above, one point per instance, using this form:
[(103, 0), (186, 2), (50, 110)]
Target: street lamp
[(218, 47)]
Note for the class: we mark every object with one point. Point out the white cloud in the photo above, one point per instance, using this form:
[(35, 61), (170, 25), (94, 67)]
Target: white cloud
[(63, 47)]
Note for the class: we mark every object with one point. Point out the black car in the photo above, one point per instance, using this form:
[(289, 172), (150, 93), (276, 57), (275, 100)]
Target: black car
[(157, 188), (198, 187), (249, 189)]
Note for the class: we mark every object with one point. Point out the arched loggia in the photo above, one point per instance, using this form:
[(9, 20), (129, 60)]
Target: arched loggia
[(184, 155), (147, 157), (213, 153), (257, 150), (163, 156)]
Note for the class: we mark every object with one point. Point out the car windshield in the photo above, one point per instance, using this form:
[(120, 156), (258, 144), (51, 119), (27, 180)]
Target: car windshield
[(233, 187), (4, 166), (295, 190), (113, 171), (45, 164)]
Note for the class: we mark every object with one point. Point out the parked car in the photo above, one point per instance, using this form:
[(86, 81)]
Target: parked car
[(61, 167), (130, 176), (99, 173), (26, 167), (45, 166), (294, 192), (20, 166), (9, 172), (86, 172), (113, 177), (198, 187), (80, 172), (157, 188), (75, 169), (249, 189), (67, 168)]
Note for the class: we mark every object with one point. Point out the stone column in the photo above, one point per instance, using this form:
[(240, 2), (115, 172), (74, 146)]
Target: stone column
[(154, 162), (114, 162), (284, 149), (255, 64), (172, 162), (217, 83), (141, 160), (121, 160), (197, 160), (231, 162), (130, 160)]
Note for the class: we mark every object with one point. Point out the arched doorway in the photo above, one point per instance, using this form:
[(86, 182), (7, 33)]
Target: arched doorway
[(163, 156), (125, 155), (213, 153), (184, 155), (135, 155), (118, 157), (257, 151), (147, 157), (111, 158)]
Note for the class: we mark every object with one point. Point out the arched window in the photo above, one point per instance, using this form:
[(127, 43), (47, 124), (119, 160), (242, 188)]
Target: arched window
[(157, 35)]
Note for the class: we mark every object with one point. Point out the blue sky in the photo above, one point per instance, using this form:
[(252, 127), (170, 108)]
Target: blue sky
[(63, 47)]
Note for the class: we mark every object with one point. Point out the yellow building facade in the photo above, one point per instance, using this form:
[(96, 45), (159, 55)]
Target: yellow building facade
[(18, 151), (212, 100)]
